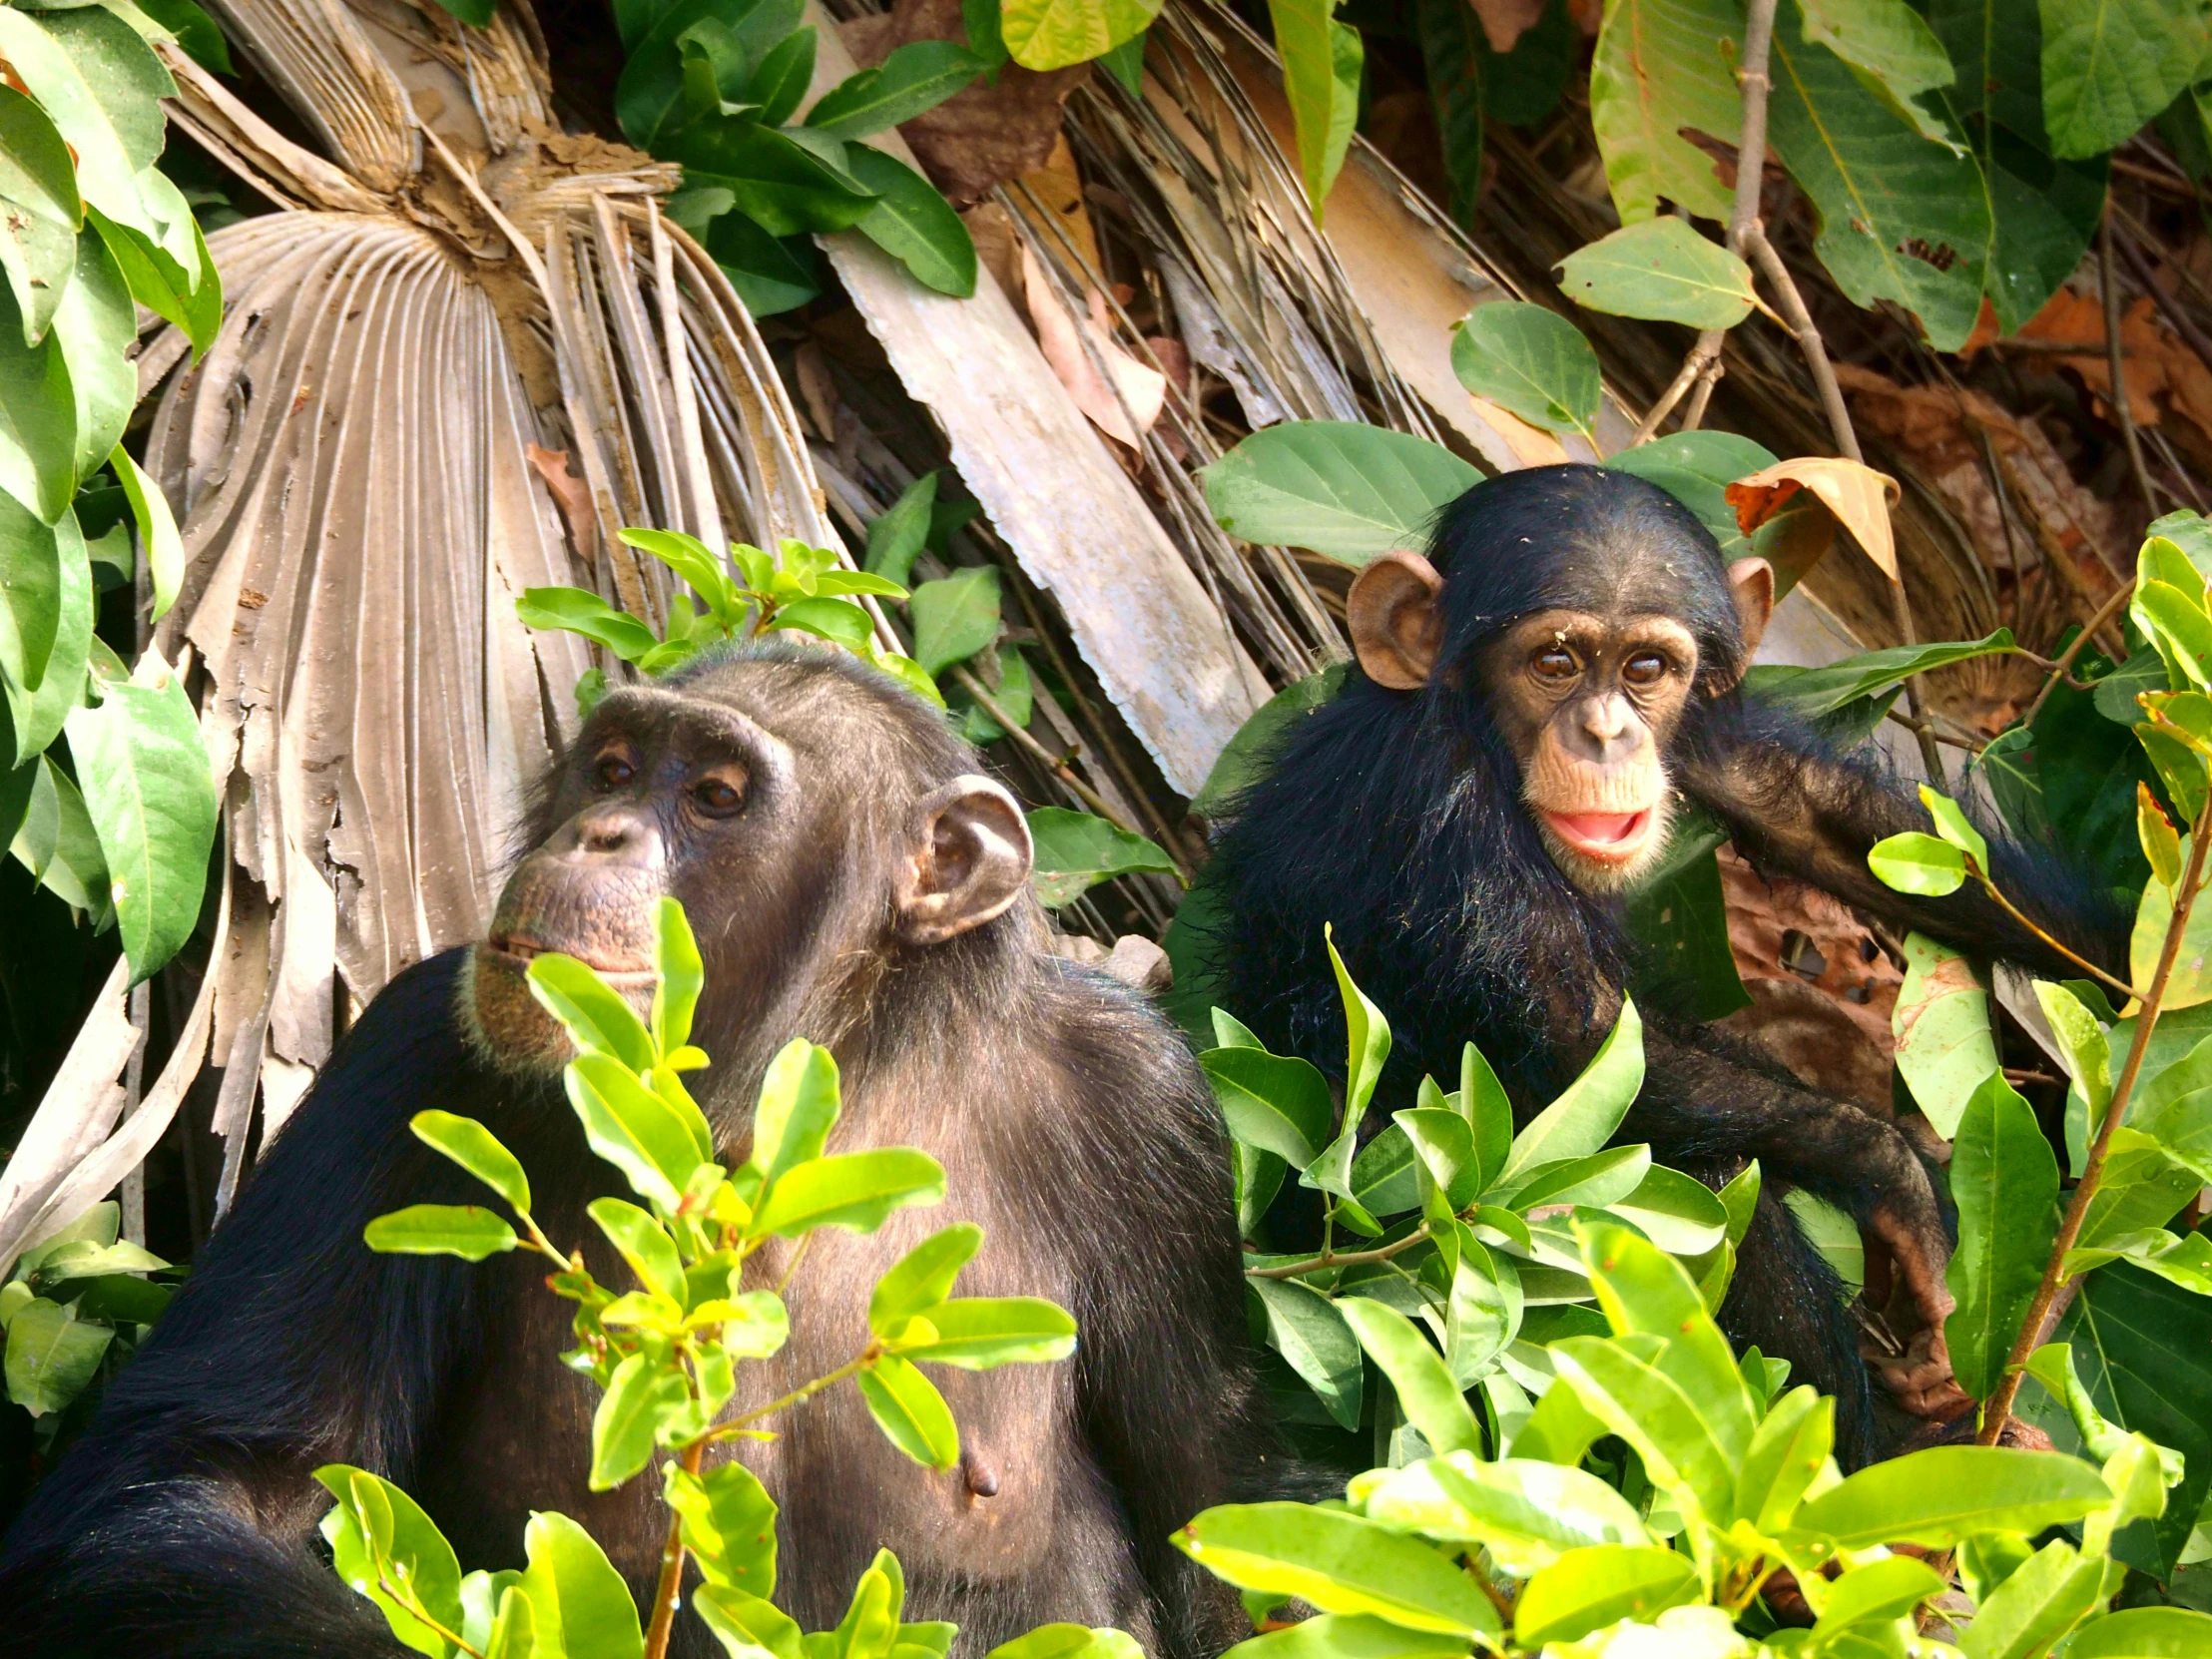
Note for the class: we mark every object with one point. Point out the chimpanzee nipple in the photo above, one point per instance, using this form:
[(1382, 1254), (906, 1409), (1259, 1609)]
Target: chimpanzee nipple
[(982, 1480)]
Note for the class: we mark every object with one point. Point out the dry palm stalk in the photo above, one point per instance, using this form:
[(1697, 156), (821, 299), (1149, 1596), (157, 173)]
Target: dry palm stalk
[(466, 352)]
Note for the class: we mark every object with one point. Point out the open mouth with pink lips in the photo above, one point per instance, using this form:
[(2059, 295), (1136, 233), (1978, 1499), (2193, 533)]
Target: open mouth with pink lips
[(1608, 838)]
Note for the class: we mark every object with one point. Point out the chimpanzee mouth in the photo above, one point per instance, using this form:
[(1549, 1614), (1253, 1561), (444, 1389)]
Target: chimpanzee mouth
[(519, 950), (1608, 838)]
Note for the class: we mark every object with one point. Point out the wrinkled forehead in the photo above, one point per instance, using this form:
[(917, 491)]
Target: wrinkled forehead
[(683, 725), (1596, 635)]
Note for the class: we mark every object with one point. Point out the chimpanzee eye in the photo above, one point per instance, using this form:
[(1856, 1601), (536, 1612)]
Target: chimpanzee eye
[(1555, 661), (717, 796), (613, 772), (1646, 668)]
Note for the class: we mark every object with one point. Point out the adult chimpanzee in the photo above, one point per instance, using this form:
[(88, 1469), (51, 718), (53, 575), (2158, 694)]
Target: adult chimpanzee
[(1529, 707), (849, 879)]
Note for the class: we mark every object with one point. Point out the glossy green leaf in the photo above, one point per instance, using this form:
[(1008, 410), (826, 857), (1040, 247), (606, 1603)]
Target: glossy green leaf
[(649, 95), (1069, 1641), (638, 1131), (955, 617), (1343, 489), (579, 1601), (643, 1243), (1787, 1453), (1052, 34), (2191, 981), (640, 1396), (1076, 851), (477, 1150), (1644, 1290), (2110, 66), (1585, 1115), (1469, 83), (1660, 269), (1532, 361), (1249, 755), (1588, 1589), (95, 326), (1674, 1211), (1937, 1497), (746, 1625), (1528, 1515), (2044, 1598), (1945, 1044), (914, 78), (1881, 1592), (912, 223), (31, 575), (852, 1190), (897, 535), (772, 274), (1649, 1409), (1278, 1103), (378, 1534), (57, 844), (1339, 1562), (799, 1105), (2143, 1633), (912, 1413), (1660, 71), (1594, 1182), (38, 415), (1320, 81), (1427, 1394), (1887, 42), (587, 613), (52, 1354), (1310, 1332), (923, 1278), (981, 1333), (164, 549), (729, 1524), (1820, 691), (1445, 1143), (2005, 1181), (38, 188)]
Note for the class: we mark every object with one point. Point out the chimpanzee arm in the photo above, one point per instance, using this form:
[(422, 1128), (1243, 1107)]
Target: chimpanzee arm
[(1705, 1099), (182, 1524), (1171, 1402), (1795, 807)]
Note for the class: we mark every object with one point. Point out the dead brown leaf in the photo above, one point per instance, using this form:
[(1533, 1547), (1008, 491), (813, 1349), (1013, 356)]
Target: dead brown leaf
[(1857, 497), (997, 246), (570, 493), (978, 139), (1050, 200), (1136, 392), (1505, 21)]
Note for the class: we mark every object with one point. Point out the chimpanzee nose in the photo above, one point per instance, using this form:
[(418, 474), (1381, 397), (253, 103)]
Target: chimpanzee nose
[(618, 832)]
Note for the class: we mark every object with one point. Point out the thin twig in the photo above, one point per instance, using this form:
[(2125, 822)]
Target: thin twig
[(2062, 668), (2074, 956), (1341, 1258), (2126, 416), (2044, 1309), (671, 1584)]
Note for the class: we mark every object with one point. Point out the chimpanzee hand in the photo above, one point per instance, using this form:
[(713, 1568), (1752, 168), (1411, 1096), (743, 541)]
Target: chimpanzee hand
[(1906, 1250)]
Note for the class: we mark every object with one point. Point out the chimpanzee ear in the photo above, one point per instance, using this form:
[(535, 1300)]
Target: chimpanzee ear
[(968, 859), (1751, 581), (1397, 627)]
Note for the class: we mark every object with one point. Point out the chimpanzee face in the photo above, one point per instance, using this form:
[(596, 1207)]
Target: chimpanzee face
[(692, 792)]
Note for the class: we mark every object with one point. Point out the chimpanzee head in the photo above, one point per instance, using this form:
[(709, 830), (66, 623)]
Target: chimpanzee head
[(823, 828), (1584, 610)]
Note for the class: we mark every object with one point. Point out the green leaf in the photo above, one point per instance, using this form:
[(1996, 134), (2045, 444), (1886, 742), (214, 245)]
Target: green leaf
[(1643, 1290), (779, 85), (771, 274), (856, 1191), (95, 326), (197, 33), (1527, 1513), (914, 78), (2005, 1182), (1125, 62), (1649, 1409), (1367, 1038), (378, 1532), (837, 620), (1341, 488), (1659, 72), (1278, 1103), (2143, 1633), (1339, 1562), (2110, 66), (638, 1131), (1945, 1044), (1320, 81), (640, 1396), (2045, 212), (179, 284), (153, 805), (912, 223), (1662, 271), (38, 414), (1881, 1592), (955, 617), (1891, 45), (1588, 1589), (1310, 1332), (38, 189), (2191, 981), (1697, 468), (1053, 34), (1916, 863), (787, 180), (1069, 1641), (912, 1413), (1585, 1115), (746, 1625), (679, 976), (797, 1106), (1938, 1496), (1788, 1450), (982, 1333), (1530, 360), (643, 1243), (1247, 757), (1818, 691), (649, 95), (1594, 1181), (477, 1150), (1469, 83), (2045, 1596), (1903, 216), (728, 1523), (580, 1602), (922, 1278), (1427, 1394), (1674, 1211), (899, 534), (32, 556), (56, 843), (52, 1356), (578, 612), (101, 84), (1015, 693), (1445, 1146), (1075, 851), (1349, 1636), (164, 549)]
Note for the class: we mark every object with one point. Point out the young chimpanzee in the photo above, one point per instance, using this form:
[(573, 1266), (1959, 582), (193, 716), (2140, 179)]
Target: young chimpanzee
[(850, 879), (1530, 707)]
